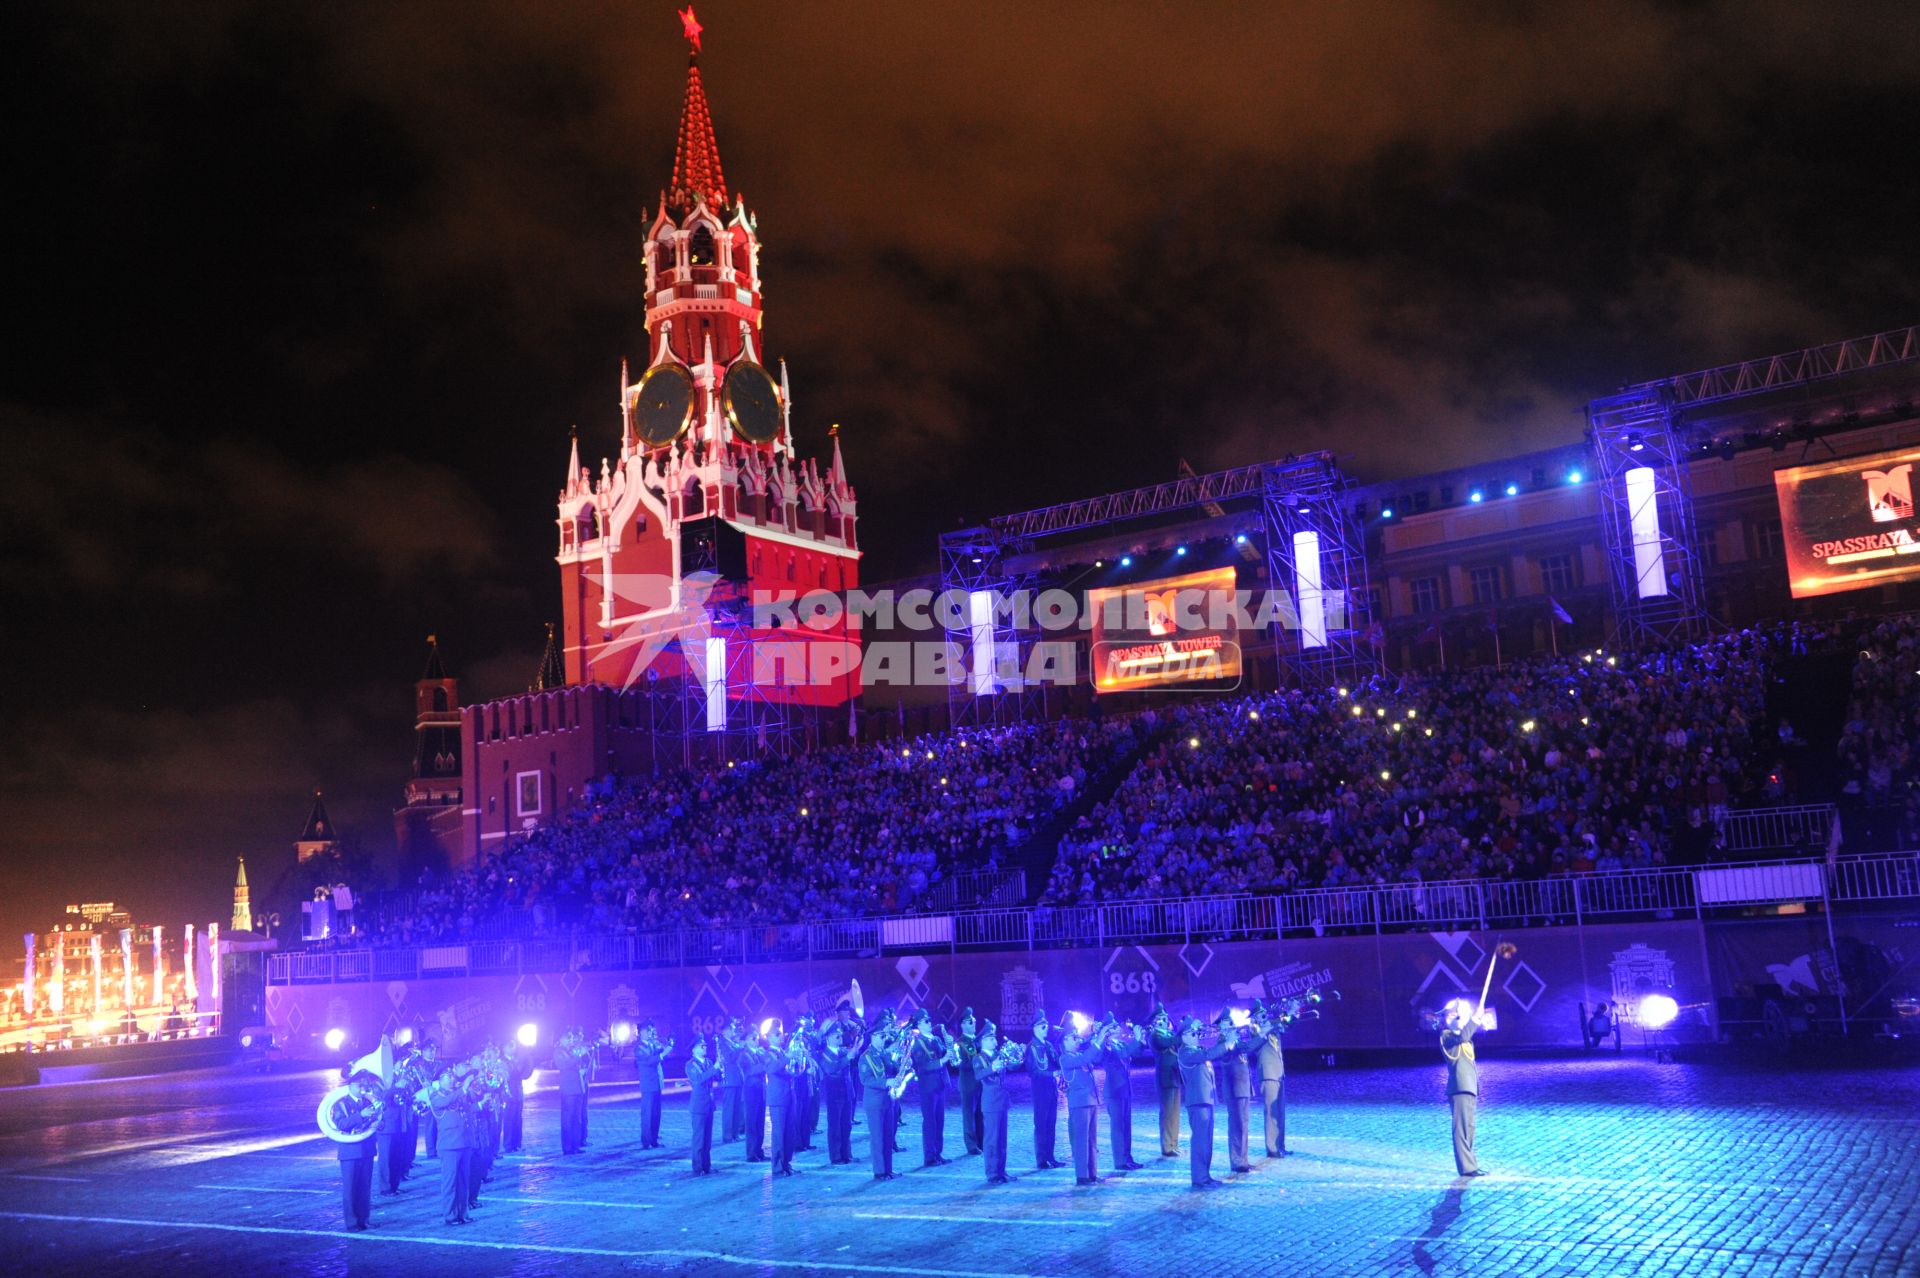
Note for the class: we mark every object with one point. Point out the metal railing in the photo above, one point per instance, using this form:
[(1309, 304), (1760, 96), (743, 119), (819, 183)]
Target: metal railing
[(1452, 904), (1777, 829), (978, 889)]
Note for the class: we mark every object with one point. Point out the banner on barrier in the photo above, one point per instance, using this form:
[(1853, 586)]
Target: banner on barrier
[(1385, 984)]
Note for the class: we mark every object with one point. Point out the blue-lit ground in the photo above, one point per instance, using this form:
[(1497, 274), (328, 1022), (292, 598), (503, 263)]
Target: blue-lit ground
[(1609, 1166)]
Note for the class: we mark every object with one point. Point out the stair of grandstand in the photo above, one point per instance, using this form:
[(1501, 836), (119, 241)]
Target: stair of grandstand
[(1810, 691), (1036, 855)]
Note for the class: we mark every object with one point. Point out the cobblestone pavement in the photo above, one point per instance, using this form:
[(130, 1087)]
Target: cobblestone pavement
[(1603, 1167)]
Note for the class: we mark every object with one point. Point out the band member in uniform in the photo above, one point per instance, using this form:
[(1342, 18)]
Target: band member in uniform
[(409, 1078), (1197, 1083), (930, 1053), (803, 1098), (854, 1036), (395, 1107), (449, 1114), (1463, 1083), (1043, 1067), (474, 1131), (898, 1113), (1166, 1078), (703, 1080), (753, 1096), (572, 1061), (518, 1065), (361, 1109), (1116, 1064), (836, 1067), (1237, 1091), (969, 1082), (878, 1065), (733, 1041), (1271, 1065), (990, 1066), (649, 1058), (809, 1033), (1078, 1056), (430, 1069), (779, 1064)]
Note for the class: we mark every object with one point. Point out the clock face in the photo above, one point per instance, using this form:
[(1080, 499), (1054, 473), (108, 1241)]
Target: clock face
[(752, 402), (663, 405)]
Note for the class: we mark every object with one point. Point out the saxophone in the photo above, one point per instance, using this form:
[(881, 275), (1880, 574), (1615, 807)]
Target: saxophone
[(897, 1089)]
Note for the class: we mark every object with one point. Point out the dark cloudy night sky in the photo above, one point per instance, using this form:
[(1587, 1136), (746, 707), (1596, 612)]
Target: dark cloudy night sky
[(305, 297)]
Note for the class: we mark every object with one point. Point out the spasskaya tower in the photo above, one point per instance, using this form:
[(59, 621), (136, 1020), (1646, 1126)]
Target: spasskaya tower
[(700, 509), (706, 496)]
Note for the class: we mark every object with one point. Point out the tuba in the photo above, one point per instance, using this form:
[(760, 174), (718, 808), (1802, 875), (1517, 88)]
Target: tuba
[(363, 1119)]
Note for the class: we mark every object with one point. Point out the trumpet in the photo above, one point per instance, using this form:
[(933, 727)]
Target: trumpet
[(1301, 1007)]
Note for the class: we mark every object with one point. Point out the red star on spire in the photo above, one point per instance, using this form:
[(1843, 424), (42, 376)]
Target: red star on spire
[(690, 27)]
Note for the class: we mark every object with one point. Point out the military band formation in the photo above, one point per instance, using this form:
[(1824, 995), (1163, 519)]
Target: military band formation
[(771, 1091)]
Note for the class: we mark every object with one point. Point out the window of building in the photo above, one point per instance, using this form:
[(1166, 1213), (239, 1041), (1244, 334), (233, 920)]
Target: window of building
[(1425, 594), (1422, 500), (1767, 541), (1484, 583), (1446, 494), (1556, 573), (1706, 544)]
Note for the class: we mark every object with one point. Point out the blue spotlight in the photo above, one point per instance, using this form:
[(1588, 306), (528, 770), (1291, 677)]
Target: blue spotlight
[(1513, 490), (1574, 476), (1386, 512), (1476, 496), (1179, 550), (1240, 540), (1126, 561)]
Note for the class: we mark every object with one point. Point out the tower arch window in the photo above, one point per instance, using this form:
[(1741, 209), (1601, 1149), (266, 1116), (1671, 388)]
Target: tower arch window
[(694, 501), (663, 259), (440, 699), (589, 524), (701, 249)]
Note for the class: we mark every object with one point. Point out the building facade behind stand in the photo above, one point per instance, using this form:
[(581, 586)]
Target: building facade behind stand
[(1508, 558)]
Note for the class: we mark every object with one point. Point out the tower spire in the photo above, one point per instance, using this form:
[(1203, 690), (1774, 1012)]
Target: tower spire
[(553, 666), (696, 156), (242, 902)]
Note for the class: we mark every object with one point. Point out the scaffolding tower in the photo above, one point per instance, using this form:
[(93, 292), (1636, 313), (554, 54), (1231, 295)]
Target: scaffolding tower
[(1317, 554), (1646, 514)]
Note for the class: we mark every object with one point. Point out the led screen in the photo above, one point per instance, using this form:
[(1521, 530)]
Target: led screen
[(1849, 524), (1168, 631)]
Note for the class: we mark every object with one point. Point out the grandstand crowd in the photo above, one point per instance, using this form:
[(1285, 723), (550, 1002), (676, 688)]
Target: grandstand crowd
[(845, 831), (1591, 762)]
